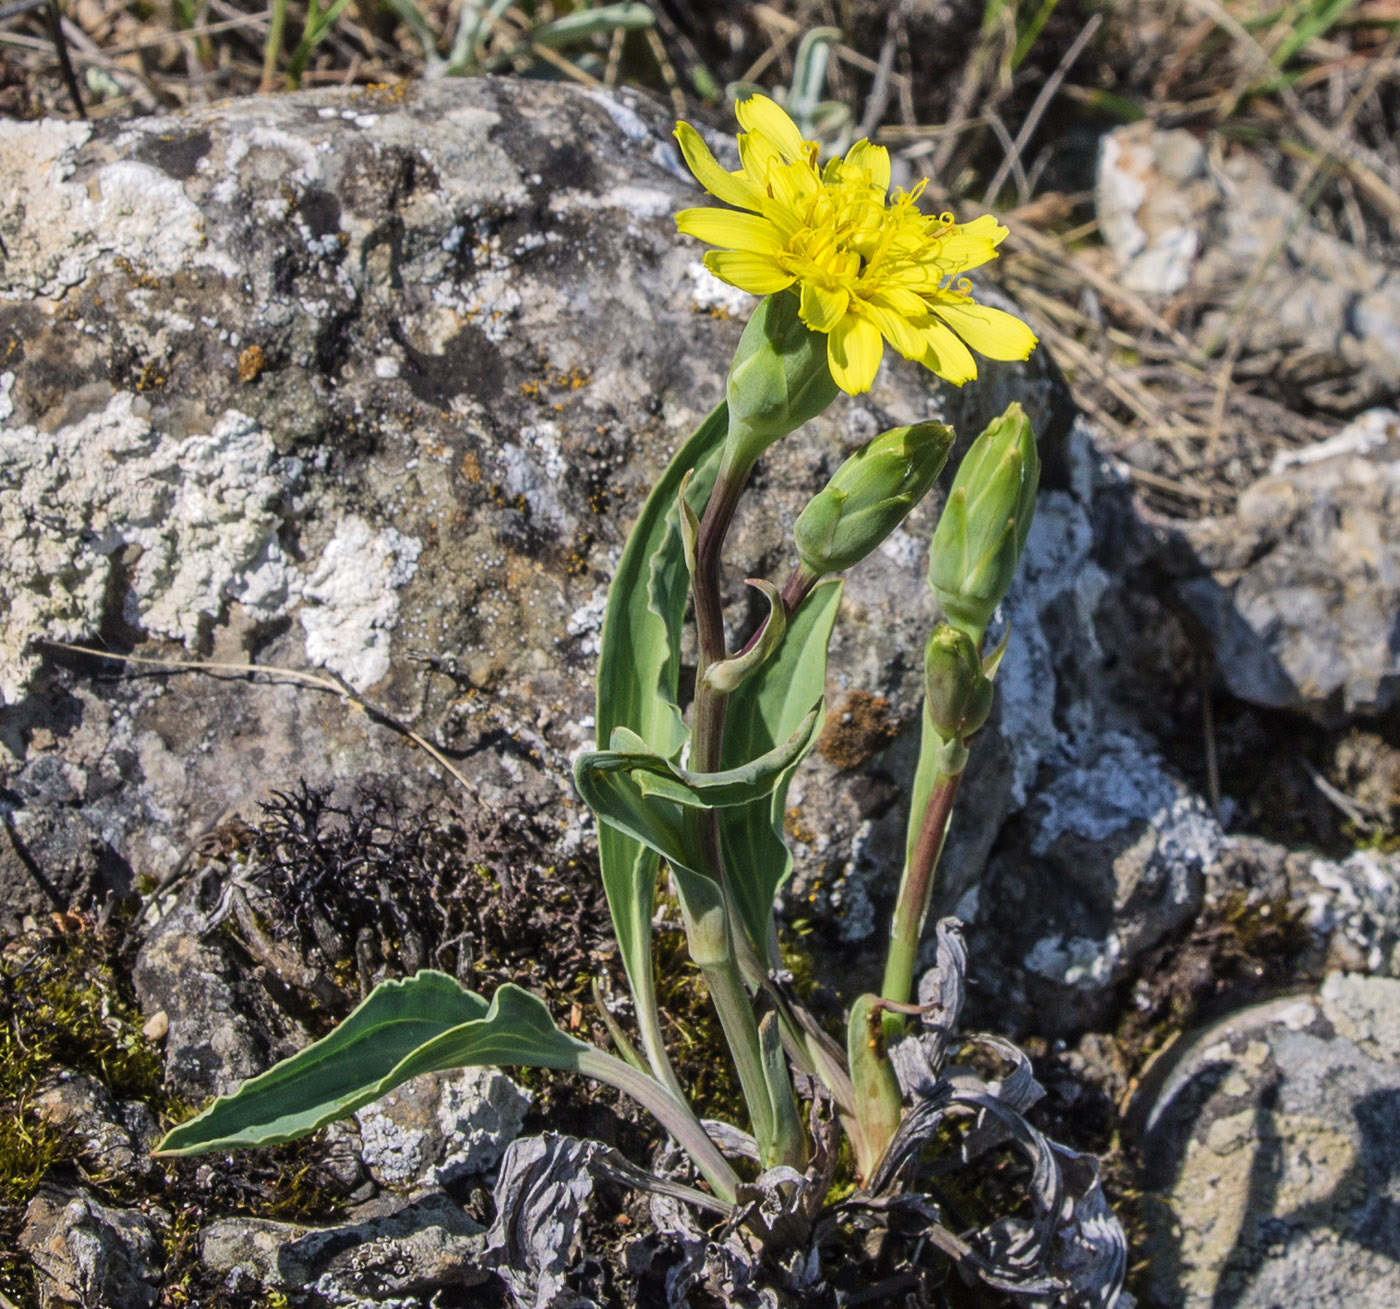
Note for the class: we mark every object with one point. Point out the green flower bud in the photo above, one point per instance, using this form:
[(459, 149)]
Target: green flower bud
[(983, 530), (959, 693), (869, 496), (778, 380)]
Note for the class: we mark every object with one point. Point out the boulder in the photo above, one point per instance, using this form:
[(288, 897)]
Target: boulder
[(1181, 214), (346, 406), (87, 1252), (1298, 589), (1271, 1142)]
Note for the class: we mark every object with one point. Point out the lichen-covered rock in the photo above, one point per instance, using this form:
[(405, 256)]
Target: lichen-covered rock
[(1299, 588), (387, 1254), (1272, 1142), (89, 1253), (374, 319), (116, 1137), (441, 1127), (379, 314)]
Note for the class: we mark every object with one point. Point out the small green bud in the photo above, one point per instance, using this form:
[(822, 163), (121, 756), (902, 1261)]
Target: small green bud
[(778, 380), (979, 538), (959, 693), (869, 496)]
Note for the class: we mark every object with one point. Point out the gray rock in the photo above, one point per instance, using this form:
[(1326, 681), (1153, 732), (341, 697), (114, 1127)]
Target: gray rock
[(117, 1137), (373, 319), (384, 1258), (222, 1026), (441, 1127), (1272, 1142), (89, 1253), (1300, 586), (53, 859), (1180, 213)]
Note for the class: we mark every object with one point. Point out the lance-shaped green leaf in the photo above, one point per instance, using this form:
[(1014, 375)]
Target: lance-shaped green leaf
[(765, 710), (638, 679), (417, 1025), (658, 777)]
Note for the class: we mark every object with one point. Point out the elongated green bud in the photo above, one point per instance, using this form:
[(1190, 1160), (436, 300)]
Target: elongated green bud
[(979, 538), (778, 380), (959, 692), (870, 495)]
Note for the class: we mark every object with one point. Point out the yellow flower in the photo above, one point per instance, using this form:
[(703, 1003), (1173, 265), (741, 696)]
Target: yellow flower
[(868, 267)]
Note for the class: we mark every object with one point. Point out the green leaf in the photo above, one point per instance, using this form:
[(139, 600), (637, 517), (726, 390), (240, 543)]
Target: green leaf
[(658, 777), (764, 711), (417, 1025), (638, 680)]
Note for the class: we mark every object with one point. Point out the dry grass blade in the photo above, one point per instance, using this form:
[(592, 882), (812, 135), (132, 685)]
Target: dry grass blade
[(1038, 107), (335, 685)]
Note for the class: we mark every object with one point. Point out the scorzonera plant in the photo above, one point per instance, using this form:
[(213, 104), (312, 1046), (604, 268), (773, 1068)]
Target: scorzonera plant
[(843, 267)]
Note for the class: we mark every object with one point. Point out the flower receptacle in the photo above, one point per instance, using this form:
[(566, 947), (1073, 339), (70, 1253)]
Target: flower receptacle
[(778, 380)]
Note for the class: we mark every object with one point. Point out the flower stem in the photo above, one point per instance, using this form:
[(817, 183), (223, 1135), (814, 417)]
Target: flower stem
[(769, 1106), (915, 892)]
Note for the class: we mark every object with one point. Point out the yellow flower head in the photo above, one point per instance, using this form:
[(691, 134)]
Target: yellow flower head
[(869, 267)]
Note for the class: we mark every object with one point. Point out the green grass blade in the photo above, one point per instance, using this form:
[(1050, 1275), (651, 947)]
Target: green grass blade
[(585, 23)]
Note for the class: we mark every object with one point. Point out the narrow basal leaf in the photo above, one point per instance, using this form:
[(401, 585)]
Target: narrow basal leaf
[(764, 711), (420, 1024), (638, 677)]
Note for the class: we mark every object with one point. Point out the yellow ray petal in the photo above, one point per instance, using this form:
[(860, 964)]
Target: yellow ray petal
[(947, 356), (749, 272), (909, 338), (730, 230), (898, 300), (732, 188), (875, 159), (760, 115), (991, 332), (757, 154), (822, 308), (853, 351), (970, 245)]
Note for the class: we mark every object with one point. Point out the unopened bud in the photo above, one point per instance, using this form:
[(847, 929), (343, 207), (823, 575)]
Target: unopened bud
[(869, 496), (979, 538), (778, 380), (959, 693)]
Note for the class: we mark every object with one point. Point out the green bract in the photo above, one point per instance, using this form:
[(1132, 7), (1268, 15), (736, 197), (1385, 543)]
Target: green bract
[(869, 496), (979, 539), (959, 694), (778, 380)]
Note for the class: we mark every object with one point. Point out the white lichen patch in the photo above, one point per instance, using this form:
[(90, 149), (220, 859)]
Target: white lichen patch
[(57, 230), (200, 512), (586, 622), (708, 292), (352, 599), (480, 1113)]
